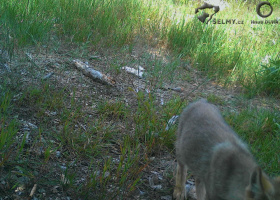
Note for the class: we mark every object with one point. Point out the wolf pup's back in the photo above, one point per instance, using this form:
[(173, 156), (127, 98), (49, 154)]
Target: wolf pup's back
[(221, 163)]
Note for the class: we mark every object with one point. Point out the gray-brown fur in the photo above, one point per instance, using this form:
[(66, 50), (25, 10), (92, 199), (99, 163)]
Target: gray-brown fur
[(221, 163)]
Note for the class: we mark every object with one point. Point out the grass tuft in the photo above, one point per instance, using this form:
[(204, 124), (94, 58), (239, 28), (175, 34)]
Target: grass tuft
[(258, 127)]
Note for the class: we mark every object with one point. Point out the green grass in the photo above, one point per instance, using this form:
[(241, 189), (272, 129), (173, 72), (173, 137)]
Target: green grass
[(221, 50), (116, 156), (260, 129), (8, 127), (151, 122), (51, 154), (231, 53), (268, 78), (214, 99)]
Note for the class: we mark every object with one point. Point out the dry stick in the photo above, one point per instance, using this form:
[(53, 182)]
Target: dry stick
[(93, 74), (33, 190)]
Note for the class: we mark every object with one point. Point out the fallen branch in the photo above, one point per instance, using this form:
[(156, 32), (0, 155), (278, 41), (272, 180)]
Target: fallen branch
[(93, 74), (138, 72), (33, 190)]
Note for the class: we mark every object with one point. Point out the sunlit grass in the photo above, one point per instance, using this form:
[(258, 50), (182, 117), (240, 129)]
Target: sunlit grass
[(231, 52)]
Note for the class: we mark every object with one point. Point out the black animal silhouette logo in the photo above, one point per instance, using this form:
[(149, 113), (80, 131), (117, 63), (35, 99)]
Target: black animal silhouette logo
[(204, 15)]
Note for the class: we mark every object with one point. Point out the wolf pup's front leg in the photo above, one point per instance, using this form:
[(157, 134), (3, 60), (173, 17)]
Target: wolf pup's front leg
[(180, 178)]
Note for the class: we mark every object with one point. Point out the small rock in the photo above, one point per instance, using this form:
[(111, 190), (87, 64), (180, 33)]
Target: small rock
[(167, 197), (94, 57), (58, 154), (48, 76), (178, 89), (63, 168), (55, 189), (152, 185), (142, 193)]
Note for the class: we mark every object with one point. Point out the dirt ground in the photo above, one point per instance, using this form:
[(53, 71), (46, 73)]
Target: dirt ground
[(30, 66)]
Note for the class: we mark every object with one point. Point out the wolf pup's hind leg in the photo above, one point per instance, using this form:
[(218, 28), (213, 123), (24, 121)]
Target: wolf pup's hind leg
[(200, 189)]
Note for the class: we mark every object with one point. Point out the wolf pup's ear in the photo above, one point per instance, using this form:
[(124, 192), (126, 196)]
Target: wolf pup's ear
[(260, 186)]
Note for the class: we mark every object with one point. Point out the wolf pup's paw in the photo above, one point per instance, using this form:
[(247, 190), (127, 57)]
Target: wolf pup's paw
[(179, 193)]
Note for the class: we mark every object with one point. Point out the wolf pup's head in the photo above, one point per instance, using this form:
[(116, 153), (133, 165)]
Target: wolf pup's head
[(261, 187)]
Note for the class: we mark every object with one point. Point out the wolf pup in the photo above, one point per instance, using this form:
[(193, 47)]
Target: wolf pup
[(221, 163)]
